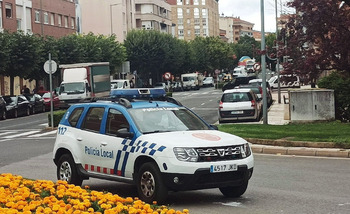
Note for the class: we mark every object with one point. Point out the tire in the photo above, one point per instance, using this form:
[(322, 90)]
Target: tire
[(67, 170), (234, 191), (150, 186)]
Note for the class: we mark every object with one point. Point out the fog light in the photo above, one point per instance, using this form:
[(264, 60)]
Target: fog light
[(176, 180)]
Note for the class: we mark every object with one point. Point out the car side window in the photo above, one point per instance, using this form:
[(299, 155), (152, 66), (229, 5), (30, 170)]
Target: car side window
[(74, 116), (115, 121), (93, 119)]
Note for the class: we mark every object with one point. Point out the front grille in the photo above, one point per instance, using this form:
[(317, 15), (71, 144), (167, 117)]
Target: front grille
[(220, 153)]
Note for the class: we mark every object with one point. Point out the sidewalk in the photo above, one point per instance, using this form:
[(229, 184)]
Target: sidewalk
[(275, 116)]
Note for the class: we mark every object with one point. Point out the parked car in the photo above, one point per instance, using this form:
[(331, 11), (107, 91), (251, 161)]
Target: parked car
[(268, 89), (240, 71), (208, 81), (47, 101), (237, 81), (120, 84), (17, 106), (239, 104), (36, 103), (163, 85), (2, 108), (177, 86)]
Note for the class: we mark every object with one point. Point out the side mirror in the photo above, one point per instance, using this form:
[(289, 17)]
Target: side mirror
[(124, 133)]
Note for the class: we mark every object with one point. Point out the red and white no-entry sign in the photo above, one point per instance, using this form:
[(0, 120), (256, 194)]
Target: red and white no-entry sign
[(167, 76), (257, 66)]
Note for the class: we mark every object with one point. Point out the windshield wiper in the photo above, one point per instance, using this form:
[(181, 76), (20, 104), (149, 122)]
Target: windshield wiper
[(155, 131)]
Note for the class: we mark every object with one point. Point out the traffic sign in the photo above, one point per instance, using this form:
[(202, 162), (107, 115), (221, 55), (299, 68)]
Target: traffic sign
[(257, 66), (47, 67), (167, 76)]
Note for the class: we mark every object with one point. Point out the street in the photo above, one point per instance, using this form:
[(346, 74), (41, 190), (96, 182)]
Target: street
[(280, 184)]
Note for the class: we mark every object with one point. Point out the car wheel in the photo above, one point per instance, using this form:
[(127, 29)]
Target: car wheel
[(234, 191), (150, 186), (3, 116), (28, 111), (67, 170)]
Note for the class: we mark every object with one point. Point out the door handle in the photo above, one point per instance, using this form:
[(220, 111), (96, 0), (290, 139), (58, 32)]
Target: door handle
[(79, 139), (103, 144)]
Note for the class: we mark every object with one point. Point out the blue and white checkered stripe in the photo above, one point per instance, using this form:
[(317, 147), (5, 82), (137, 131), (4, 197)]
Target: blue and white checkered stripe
[(130, 146)]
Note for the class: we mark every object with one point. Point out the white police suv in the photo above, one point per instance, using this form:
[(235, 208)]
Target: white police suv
[(150, 140)]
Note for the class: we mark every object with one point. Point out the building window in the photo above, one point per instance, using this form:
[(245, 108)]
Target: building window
[(188, 10), (179, 13), (19, 24), (52, 19), (188, 32), (204, 12), (196, 13), (204, 22), (72, 23), (59, 20), (180, 21), (204, 32), (188, 21), (181, 32), (0, 16), (195, 2), (46, 18), (203, 2), (8, 10), (37, 16), (66, 21), (196, 22), (179, 2), (197, 32)]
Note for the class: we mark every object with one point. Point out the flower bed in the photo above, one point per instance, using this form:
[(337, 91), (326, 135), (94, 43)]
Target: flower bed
[(19, 195)]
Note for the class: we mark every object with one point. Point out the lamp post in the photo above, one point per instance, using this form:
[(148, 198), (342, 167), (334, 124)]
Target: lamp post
[(263, 61), (277, 57)]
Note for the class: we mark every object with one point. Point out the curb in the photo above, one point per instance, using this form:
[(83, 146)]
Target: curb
[(283, 147)]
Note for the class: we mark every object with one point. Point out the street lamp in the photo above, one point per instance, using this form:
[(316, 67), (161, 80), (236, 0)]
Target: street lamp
[(263, 61)]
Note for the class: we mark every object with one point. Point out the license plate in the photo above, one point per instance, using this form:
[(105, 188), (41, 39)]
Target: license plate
[(236, 112), (223, 168)]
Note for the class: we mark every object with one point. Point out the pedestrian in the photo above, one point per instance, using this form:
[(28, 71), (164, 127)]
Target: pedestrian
[(25, 90)]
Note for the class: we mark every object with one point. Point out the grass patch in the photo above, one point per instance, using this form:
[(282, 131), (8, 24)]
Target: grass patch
[(335, 132)]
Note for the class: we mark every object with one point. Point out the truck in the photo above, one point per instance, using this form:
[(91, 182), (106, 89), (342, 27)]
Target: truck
[(82, 82), (192, 81)]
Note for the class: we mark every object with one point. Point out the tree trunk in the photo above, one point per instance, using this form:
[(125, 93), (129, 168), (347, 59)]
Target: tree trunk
[(12, 84)]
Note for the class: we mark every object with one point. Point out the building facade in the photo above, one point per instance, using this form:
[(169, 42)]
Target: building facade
[(194, 18), (43, 17), (235, 28)]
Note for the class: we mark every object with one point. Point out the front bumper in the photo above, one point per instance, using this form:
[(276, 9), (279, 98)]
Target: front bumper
[(203, 179)]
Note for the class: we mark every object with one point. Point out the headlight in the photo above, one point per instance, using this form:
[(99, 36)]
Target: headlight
[(246, 152), (186, 154)]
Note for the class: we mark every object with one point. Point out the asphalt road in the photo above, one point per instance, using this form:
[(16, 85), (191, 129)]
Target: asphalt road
[(280, 184)]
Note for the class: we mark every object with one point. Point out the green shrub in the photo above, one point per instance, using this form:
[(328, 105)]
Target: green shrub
[(57, 116), (219, 86), (169, 94), (340, 83)]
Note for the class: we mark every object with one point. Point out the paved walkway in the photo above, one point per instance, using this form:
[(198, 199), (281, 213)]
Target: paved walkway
[(276, 116)]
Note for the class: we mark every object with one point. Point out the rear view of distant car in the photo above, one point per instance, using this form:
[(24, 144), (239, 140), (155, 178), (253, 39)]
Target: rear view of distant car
[(208, 81), (239, 104)]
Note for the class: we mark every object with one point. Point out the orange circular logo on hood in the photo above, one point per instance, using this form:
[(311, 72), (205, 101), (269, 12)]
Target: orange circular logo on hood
[(205, 136)]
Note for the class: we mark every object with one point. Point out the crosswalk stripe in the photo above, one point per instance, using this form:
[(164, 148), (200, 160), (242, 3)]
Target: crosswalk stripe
[(22, 134), (6, 133), (44, 134)]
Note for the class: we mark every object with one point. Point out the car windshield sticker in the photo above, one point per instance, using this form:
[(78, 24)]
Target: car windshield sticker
[(131, 147), (206, 136)]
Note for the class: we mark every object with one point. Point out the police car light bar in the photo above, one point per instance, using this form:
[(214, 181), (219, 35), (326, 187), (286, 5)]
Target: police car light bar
[(137, 93)]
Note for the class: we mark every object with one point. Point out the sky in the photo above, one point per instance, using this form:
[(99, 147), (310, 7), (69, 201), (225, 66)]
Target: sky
[(249, 10)]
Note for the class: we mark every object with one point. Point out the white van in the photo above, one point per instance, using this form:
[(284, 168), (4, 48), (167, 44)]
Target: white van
[(286, 81), (240, 71), (120, 84)]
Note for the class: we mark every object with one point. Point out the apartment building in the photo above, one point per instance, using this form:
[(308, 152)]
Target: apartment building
[(48, 18), (235, 28), (194, 18)]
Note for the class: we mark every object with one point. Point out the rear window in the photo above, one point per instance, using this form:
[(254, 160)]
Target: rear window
[(236, 97)]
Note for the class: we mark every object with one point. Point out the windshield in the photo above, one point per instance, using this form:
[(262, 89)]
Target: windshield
[(117, 85), (152, 120), (72, 88), (10, 100), (188, 79)]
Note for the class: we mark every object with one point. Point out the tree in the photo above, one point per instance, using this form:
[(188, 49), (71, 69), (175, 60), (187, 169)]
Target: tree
[(316, 38), (5, 39)]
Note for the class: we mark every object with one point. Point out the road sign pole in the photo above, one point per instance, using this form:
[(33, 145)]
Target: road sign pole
[(51, 102)]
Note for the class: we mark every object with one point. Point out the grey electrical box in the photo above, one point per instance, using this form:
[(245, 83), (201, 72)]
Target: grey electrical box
[(311, 104)]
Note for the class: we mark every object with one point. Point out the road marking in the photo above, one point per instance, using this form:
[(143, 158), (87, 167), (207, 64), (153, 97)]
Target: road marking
[(44, 124), (22, 134), (5, 133), (44, 134)]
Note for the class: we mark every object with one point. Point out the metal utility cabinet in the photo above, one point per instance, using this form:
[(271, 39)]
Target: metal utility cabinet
[(311, 104)]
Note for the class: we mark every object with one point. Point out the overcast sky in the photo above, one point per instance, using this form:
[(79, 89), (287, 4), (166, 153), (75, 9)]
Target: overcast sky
[(249, 10)]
